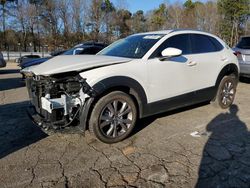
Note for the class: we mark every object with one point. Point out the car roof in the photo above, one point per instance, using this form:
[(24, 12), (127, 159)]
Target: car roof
[(247, 36), (165, 32), (90, 44)]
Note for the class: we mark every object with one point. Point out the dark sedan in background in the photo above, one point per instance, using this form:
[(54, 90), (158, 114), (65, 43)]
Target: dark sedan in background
[(2, 61), (80, 49)]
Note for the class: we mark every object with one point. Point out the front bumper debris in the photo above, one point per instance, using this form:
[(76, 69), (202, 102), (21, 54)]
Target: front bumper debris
[(59, 104), (47, 127)]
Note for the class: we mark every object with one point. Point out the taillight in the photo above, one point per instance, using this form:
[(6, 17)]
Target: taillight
[(237, 53)]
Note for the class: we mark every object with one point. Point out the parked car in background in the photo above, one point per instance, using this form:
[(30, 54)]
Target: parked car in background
[(80, 49), (135, 77), (2, 61), (242, 51), (26, 58), (24, 61)]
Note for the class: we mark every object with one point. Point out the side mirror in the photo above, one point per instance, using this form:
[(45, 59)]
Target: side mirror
[(170, 52)]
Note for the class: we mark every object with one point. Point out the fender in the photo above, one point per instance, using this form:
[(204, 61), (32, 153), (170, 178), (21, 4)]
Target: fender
[(133, 86), (227, 70)]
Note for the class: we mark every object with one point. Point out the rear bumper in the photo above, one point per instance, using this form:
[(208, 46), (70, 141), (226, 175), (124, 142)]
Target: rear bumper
[(244, 69)]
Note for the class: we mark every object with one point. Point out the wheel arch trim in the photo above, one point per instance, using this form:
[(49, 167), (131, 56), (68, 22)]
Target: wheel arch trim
[(135, 89), (226, 70)]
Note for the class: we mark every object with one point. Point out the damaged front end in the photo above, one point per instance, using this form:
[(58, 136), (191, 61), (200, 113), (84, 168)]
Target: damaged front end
[(58, 102)]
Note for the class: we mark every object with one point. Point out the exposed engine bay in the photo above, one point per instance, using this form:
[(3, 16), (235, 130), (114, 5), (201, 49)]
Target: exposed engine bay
[(58, 101)]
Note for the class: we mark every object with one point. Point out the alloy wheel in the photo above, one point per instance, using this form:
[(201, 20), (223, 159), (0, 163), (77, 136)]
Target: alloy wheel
[(115, 118), (228, 92)]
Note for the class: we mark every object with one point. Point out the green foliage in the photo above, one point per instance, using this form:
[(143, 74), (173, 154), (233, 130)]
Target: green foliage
[(123, 19), (234, 14), (109, 7), (234, 9), (159, 16), (138, 20), (189, 4)]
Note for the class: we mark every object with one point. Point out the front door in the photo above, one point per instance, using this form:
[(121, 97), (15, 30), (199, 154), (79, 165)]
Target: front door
[(175, 76)]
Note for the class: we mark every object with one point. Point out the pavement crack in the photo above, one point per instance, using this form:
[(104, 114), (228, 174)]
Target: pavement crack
[(100, 177), (66, 181), (111, 166), (33, 170)]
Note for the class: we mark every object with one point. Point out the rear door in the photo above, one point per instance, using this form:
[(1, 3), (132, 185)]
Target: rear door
[(208, 57)]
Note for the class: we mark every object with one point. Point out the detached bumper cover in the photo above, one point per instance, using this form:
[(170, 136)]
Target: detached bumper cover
[(34, 116)]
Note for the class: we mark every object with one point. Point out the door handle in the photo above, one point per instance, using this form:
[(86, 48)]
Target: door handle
[(224, 59), (192, 63)]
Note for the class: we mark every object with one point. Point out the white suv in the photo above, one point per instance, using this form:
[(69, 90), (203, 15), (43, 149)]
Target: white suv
[(135, 77)]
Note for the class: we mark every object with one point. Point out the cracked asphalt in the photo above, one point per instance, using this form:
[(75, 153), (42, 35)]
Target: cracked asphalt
[(200, 146)]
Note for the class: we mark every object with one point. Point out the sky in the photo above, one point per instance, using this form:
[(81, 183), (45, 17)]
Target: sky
[(145, 5)]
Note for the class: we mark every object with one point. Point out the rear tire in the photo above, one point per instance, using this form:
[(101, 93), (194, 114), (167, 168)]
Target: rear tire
[(226, 92), (113, 117)]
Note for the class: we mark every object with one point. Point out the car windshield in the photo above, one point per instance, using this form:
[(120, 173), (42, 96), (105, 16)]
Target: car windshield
[(135, 46), (244, 43)]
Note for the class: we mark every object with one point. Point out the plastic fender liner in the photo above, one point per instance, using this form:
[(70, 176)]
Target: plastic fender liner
[(84, 114)]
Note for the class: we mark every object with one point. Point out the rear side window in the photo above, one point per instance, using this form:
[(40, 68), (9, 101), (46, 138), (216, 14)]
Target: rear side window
[(244, 43), (204, 44), (217, 44), (180, 41)]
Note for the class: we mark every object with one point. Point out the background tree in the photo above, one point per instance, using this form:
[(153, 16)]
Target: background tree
[(64, 23), (159, 17), (138, 22), (123, 23), (3, 9), (233, 16)]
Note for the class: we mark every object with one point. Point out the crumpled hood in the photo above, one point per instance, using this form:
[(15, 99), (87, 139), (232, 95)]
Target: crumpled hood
[(67, 63)]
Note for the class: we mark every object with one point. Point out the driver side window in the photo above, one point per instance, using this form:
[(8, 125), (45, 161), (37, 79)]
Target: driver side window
[(180, 41)]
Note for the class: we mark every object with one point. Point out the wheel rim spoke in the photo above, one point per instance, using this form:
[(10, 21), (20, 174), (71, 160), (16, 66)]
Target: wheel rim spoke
[(106, 118), (128, 110), (230, 87), (123, 108), (115, 104), (111, 129), (115, 132), (224, 100), (105, 123), (111, 109), (124, 127)]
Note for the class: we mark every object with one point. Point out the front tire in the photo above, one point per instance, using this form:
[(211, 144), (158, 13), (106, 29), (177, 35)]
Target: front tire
[(113, 117), (226, 92)]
